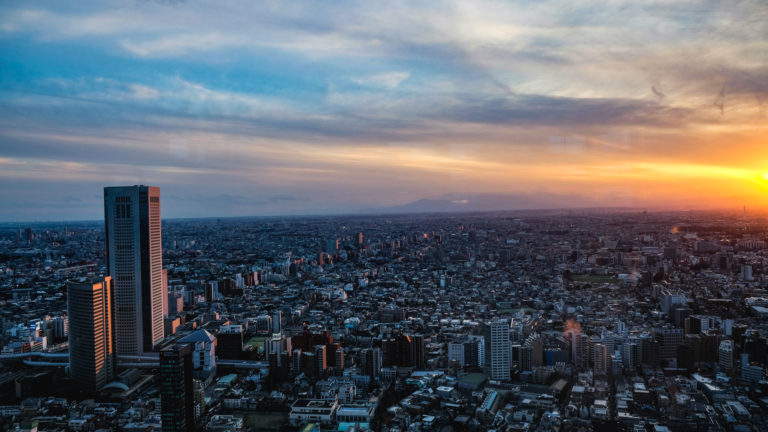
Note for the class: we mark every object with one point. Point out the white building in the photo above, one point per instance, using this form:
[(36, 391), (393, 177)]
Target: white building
[(305, 411), (500, 357), (204, 357)]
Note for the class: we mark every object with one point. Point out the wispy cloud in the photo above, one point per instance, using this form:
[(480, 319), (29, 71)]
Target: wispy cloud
[(361, 102)]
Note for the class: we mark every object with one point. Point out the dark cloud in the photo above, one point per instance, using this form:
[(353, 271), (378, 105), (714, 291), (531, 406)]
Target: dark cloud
[(658, 92)]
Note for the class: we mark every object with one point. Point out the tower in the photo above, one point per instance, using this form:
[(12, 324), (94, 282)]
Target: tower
[(177, 404), (500, 362), (91, 349), (418, 351), (134, 261), (277, 321)]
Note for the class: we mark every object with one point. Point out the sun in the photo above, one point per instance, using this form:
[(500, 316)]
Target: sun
[(765, 176)]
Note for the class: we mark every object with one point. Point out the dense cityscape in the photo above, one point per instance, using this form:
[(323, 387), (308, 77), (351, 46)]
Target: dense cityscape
[(559, 320), (400, 216)]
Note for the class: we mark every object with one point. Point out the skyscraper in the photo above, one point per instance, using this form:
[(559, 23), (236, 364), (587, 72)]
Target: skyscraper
[(134, 260), (177, 404), (500, 362), (91, 350)]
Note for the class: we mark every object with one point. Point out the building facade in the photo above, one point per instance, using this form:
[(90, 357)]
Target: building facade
[(91, 347), (134, 261), (500, 355), (177, 404)]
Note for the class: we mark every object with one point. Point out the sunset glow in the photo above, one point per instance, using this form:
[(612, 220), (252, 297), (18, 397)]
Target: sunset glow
[(359, 106)]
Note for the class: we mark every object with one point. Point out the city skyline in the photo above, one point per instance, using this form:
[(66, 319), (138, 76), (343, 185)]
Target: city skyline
[(293, 110)]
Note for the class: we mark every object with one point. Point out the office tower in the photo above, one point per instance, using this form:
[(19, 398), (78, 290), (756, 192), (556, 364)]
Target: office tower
[(177, 404), (668, 339), (476, 356), (602, 359), (277, 322), (134, 260), (670, 300), (398, 351), (340, 360), (332, 246), (746, 273), (725, 355), (320, 358), (456, 353), (91, 349), (631, 355), (360, 239), (229, 342), (263, 323), (500, 362), (418, 351), (536, 344), (371, 359), (211, 291), (296, 366), (175, 302)]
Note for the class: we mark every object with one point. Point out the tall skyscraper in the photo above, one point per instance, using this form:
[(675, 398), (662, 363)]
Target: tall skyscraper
[(134, 260), (500, 361), (277, 321), (91, 349), (177, 402)]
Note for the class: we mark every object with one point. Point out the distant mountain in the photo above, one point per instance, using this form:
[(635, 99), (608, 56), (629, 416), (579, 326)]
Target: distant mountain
[(453, 203)]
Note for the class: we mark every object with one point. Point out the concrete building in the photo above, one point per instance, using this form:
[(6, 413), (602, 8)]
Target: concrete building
[(176, 388), (91, 347), (725, 355), (135, 261), (500, 356)]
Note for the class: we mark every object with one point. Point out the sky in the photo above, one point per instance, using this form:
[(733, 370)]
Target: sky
[(241, 108)]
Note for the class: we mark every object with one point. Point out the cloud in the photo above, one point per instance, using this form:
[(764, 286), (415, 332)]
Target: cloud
[(180, 44), (388, 80), (369, 102), (143, 92)]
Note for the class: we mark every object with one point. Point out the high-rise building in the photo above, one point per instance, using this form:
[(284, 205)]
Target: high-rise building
[(418, 351), (371, 359), (277, 321), (477, 350), (332, 246), (91, 349), (631, 355), (725, 355), (339, 360), (669, 339), (670, 300), (456, 353), (321, 359), (580, 349), (500, 360), (134, 260), (602, 359), (177, 401)]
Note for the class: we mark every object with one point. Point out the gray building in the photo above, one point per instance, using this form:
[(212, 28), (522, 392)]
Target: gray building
[(134, 260), (500, 356)]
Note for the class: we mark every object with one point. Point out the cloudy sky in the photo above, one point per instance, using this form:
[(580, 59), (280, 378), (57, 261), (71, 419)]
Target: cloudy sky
[(261, 108)]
